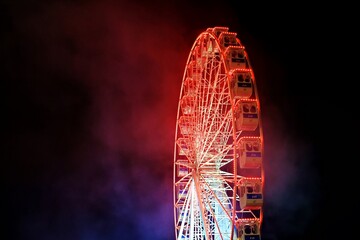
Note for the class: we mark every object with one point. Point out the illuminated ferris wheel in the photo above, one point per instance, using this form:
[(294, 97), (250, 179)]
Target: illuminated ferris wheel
[(218, 173)]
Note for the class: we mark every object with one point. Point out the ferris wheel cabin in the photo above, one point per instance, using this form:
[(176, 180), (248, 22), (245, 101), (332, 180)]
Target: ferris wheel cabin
[(251, 193), (241, 83), (250, 152), (246, 115), (248, 229)]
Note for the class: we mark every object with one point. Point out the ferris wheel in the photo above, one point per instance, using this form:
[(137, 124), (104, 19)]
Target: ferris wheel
[(218, 175)]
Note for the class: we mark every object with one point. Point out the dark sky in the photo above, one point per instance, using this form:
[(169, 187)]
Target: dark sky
[(91, 93)]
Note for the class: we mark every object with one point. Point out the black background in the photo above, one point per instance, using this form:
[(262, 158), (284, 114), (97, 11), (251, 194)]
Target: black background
[(91, 91)]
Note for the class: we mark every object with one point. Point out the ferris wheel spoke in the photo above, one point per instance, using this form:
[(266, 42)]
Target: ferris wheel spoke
[(210, 139), (207, 93), (218, 206), (184, 218), (222, 153), (216, 117), (220, 189)]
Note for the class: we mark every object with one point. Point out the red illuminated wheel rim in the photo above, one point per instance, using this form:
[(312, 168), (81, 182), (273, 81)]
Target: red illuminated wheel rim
[(218, 154)]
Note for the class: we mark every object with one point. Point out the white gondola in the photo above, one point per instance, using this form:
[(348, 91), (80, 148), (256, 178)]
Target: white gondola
[(183, 146), (194, 70), (186, 125), (182, 213), (218, 30), (190, 86), (187, 105), (241, 84), (181, 192), (235, 57), (248, 229), (246, 115), (182, 168), (251, 193), (250, 155), (227, 39)]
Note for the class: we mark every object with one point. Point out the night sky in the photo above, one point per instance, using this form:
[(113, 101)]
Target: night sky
[(91, 91)]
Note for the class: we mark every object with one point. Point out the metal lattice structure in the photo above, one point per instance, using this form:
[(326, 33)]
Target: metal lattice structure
[(218, 172)]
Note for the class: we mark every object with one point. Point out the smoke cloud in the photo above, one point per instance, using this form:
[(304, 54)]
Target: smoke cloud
[(93, 93)]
